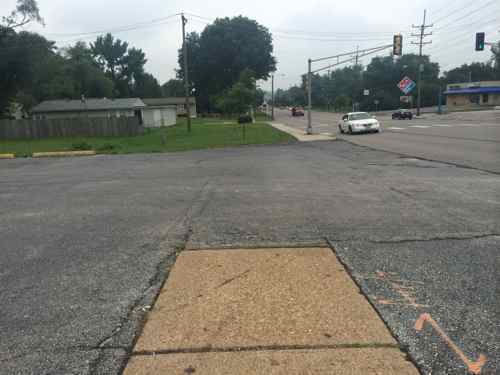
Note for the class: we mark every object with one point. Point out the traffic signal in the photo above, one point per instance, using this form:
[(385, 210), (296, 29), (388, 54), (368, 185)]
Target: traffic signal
[(479, 41), (397, 46)]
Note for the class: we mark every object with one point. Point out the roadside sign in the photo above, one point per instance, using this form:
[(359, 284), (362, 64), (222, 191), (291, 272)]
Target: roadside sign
[(406, 85), (376, 101), (366, 92), (405, 99)]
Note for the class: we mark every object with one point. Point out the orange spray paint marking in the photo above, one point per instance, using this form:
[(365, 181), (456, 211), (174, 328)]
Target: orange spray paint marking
[(473, 366)]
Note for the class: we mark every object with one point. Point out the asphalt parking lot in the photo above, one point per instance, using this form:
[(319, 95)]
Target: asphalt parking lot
[(87, 242)]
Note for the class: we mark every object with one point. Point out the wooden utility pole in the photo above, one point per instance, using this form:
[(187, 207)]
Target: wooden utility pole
[(421, 35), (186, 74)]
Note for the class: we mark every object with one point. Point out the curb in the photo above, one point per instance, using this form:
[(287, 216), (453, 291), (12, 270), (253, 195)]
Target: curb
[(301, 135), (7, 156), (62, 153)]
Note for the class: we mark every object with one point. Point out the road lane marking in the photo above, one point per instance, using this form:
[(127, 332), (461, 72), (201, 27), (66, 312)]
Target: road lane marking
[(419, 126), (473, 366), (442, 125), (395, 128)]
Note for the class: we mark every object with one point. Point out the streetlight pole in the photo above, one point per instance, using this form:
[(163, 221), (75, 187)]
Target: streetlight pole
[(421, 35), (309, 105), (272, 97), (186, 73)]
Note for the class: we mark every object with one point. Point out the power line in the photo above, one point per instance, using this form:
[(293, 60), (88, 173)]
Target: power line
[(461, 26), (460, 35), (454, 11), (471, 12), (329, 39), (134, 26)]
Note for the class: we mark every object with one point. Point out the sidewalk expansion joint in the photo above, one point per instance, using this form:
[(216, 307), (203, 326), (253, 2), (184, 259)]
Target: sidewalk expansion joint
[(260, 246), (210, 349)]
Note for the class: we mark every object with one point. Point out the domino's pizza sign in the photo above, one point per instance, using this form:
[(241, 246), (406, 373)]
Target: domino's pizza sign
[(406, 85)]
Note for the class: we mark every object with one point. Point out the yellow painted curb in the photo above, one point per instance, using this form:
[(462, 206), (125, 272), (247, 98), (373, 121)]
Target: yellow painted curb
[(7, 156), (62, 153)]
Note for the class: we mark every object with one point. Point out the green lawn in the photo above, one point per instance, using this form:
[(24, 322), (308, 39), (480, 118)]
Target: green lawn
[(206, 133)]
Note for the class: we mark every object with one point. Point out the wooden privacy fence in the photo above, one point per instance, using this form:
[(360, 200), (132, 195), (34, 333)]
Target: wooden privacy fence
[(70, 127)]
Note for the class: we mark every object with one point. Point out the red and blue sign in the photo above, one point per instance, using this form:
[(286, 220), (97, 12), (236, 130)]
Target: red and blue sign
[(406, 85)]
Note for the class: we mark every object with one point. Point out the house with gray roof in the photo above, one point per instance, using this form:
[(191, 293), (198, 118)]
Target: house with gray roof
[(178, 102), (89, 107)]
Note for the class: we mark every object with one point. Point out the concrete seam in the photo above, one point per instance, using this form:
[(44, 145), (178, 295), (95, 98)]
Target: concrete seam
[(258, 348)]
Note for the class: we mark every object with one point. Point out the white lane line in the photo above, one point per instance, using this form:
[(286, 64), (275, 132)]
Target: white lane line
[(419, 126), (442, 125), (395, 128)]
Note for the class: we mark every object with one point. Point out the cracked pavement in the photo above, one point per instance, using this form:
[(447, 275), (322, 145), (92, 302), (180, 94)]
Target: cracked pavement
[(88, 242)]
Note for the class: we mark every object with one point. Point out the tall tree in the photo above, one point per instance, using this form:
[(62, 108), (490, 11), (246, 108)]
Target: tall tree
[(123, 65), (173, 87), (88, 79), (14, 70), (146, 86), (241, 96), (109, 54), (222, 52), (24, 57), (474, 72), (26, 11)]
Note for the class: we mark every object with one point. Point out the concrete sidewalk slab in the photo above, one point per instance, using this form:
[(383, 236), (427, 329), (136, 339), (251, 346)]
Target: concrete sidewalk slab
[(260, 298), (301, 135), (381, 361)]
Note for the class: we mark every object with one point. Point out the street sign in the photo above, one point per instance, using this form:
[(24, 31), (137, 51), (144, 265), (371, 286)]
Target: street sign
[(405, 99), (366, 92), (406, 85), (376, 101)]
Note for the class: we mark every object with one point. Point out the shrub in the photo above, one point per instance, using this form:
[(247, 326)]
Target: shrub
[(106, 147), (244, 119), (81, 146)]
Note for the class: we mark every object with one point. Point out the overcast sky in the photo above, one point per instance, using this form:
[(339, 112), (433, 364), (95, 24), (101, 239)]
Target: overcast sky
[(300, 29)]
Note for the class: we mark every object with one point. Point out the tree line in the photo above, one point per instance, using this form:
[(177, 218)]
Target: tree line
[(340, 89), (225, 61), (32, 69)]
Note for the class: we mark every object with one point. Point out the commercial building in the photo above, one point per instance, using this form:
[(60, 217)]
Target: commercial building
[(469, 95)]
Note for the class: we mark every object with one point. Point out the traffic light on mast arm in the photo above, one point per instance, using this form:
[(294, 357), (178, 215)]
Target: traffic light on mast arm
[(397, 46), (479, 41)]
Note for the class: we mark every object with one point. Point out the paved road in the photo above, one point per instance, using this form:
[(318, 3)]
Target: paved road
[(87, 242), (468, 139)]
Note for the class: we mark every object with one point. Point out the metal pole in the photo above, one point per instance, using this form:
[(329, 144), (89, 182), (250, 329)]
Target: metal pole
[(440, 106), (272, 97), (186, 74), (420, 66), (309, 105)]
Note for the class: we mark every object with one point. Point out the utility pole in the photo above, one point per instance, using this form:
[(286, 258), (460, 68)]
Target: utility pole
[(309, 104), (186, 74), (272, 97), (357, 55), (421, 35)]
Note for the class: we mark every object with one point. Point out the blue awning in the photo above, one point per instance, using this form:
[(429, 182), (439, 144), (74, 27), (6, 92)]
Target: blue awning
[(474, 90)]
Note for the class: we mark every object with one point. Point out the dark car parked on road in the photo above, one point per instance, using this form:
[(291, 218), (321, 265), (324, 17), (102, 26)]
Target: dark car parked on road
[(297, 111), (402, 114)]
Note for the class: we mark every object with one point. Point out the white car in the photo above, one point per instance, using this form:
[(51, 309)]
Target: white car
[(359, 122)]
